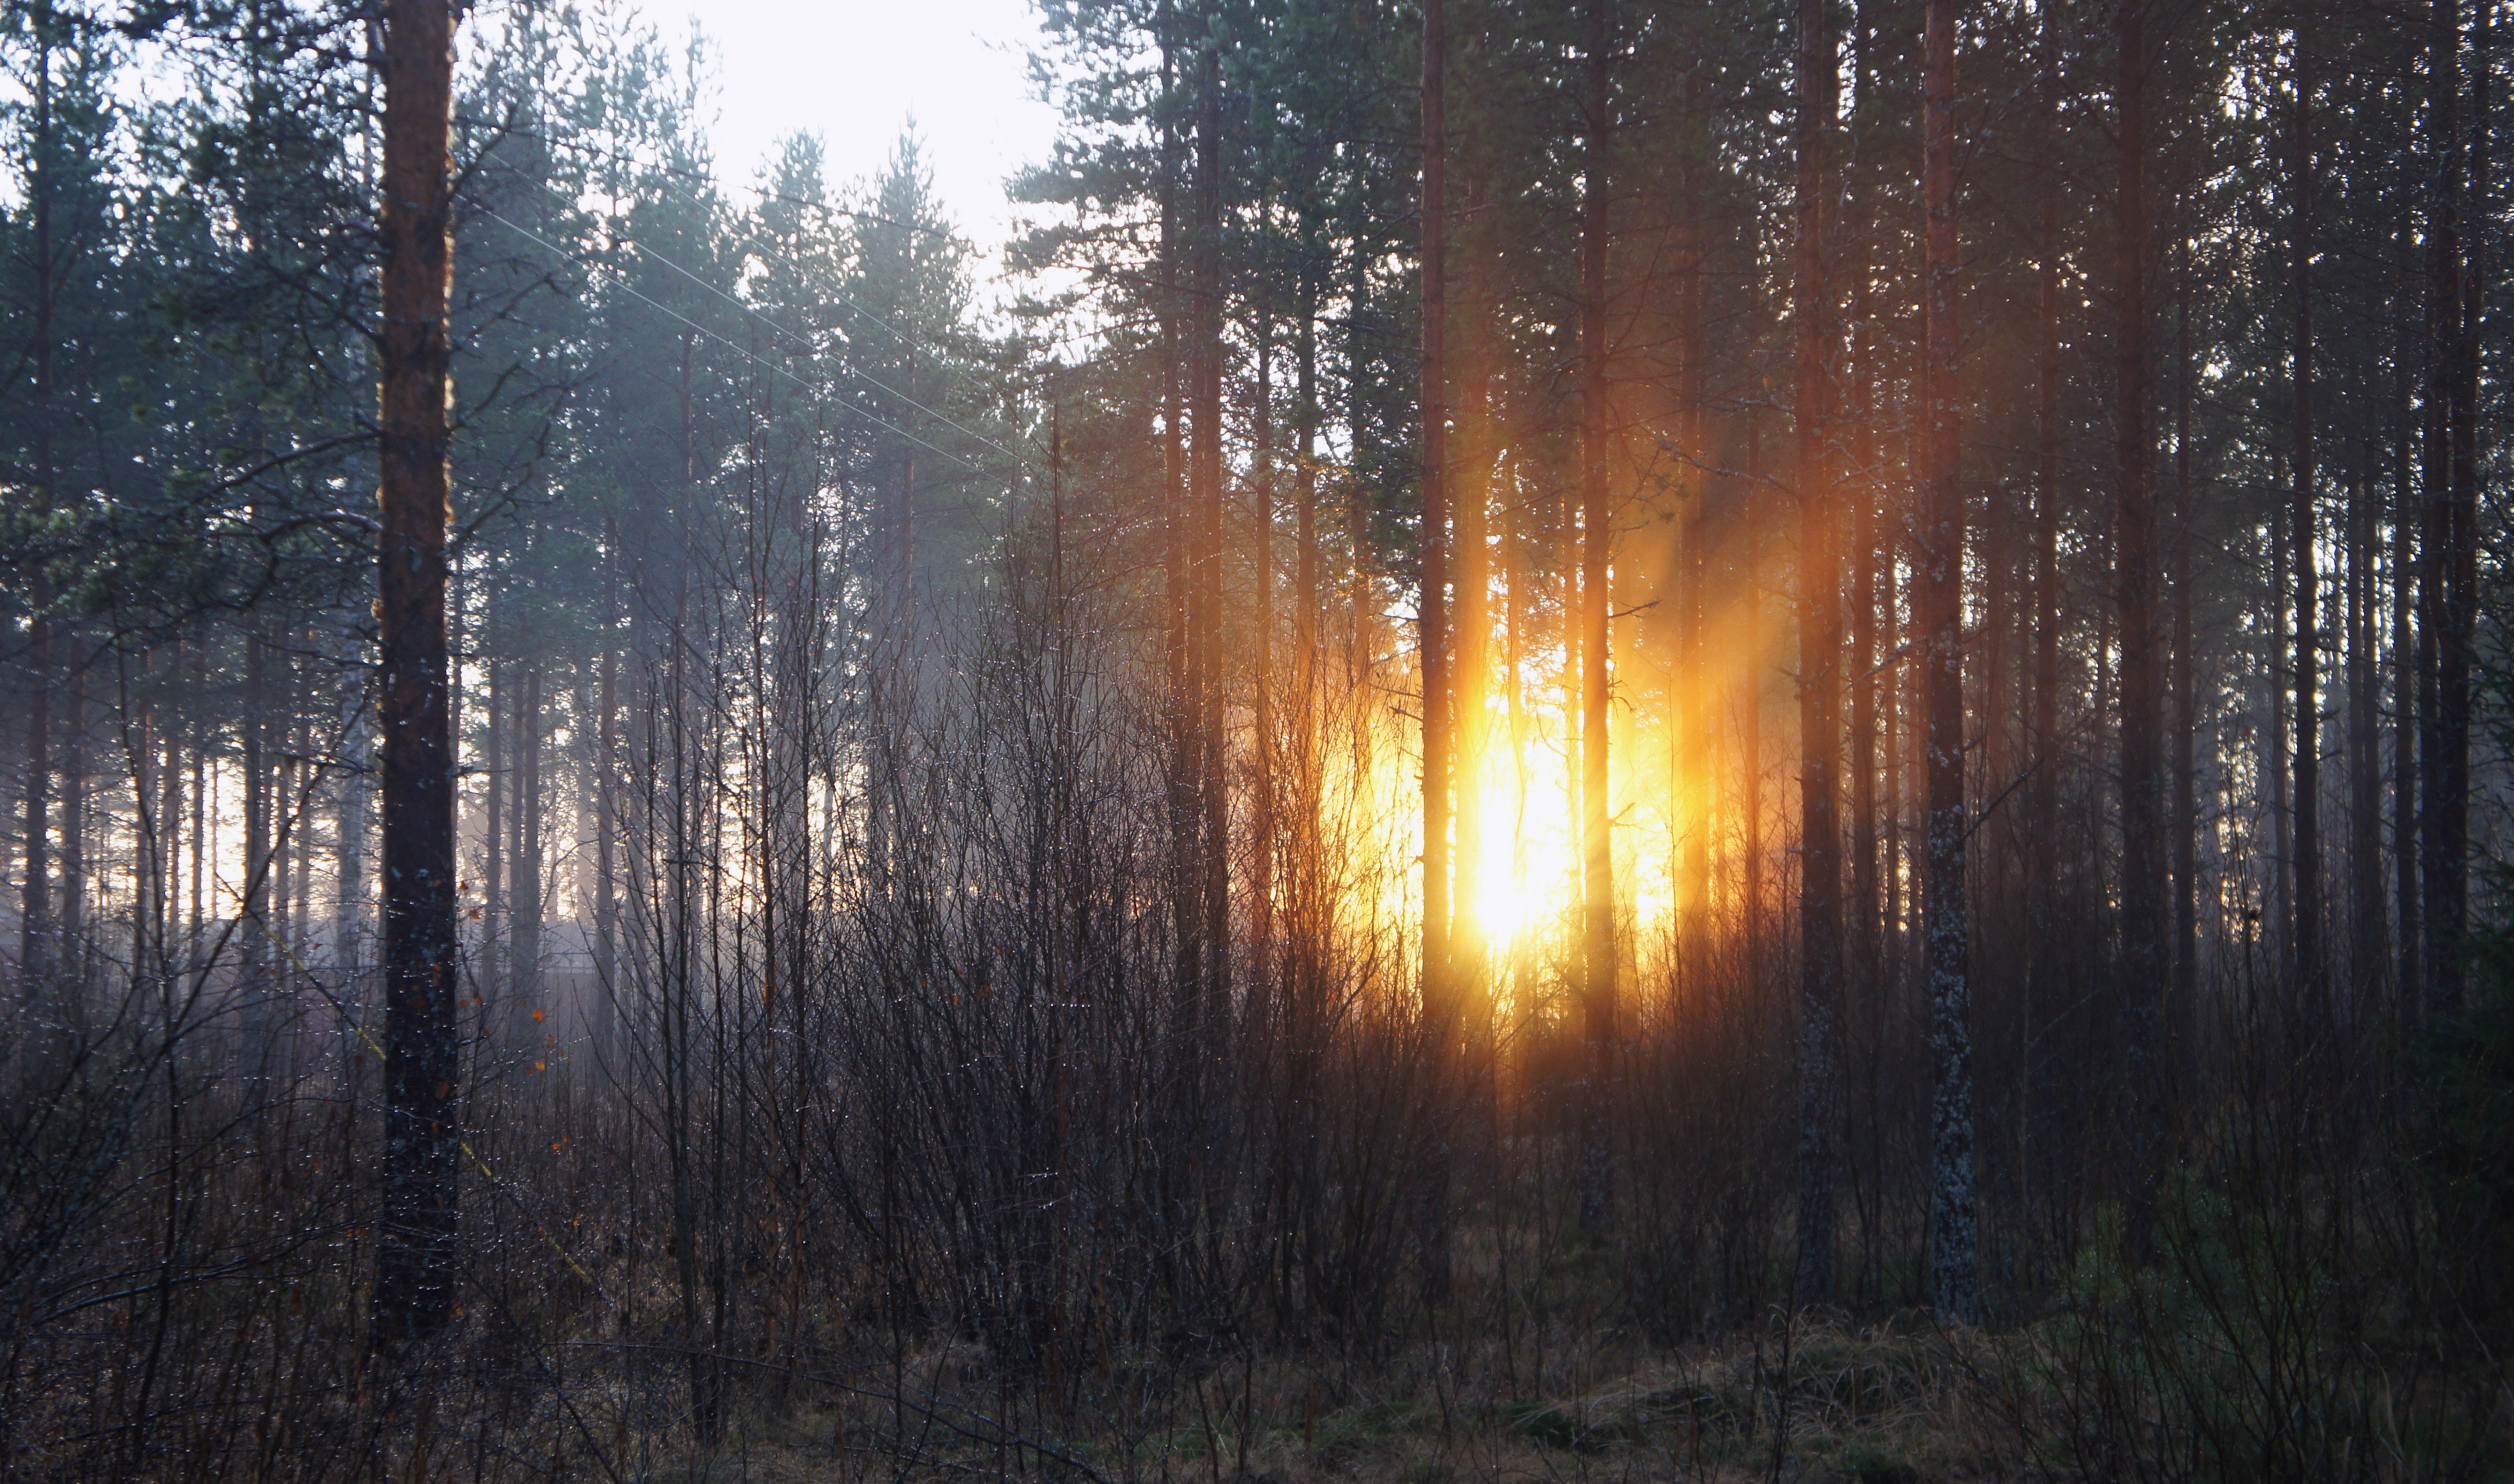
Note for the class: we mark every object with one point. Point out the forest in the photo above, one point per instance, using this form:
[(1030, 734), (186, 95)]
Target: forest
[(1690, 740)]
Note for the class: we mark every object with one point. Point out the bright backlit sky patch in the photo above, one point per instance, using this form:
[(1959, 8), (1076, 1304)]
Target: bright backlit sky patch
[(856, 71)]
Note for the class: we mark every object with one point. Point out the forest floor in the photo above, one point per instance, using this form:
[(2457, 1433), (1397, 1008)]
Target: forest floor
[(1796, 1403)]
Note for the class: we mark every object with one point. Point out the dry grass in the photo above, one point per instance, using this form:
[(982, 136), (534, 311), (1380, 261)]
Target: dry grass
[(1800, 1403)]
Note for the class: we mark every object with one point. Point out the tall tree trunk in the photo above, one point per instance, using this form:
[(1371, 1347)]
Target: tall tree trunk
[(2304, 533), (2409, 700), (1177, 521), (2044, 800), (1439, 991), (1750, 694), (1213, 779), (2451, 544), (2368, 914), (1469, 657), (2141, 746), (349, 846), (524, 939), (1434, 608), (1819, 665), (36, 950), (1597, 850), (1866, 490), (2185, 679), (495, 731), (256, 930), (1938, 614), (416, 1258), (2277, 763), (606, 816), (1693, 719)]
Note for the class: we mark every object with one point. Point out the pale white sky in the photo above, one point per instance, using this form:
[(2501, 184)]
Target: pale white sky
[(854, 71)]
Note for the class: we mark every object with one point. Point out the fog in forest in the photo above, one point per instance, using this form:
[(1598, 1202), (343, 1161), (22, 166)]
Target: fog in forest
[(1640, 740)]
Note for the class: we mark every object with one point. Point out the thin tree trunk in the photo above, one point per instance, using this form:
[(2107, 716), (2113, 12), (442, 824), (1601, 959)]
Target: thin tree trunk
[(2408, 727), (2186, 680), (1212, 774), (524, 940), (495, 730), (2304, 533), (1598, 881), (1439, 991), (1433, 612), (1694, 721), (2368, 912), (606, 818)]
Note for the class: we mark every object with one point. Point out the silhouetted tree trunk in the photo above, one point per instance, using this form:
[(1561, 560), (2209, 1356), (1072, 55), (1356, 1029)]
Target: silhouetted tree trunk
[(2410, 697), (1819, 664), (1598, 893), (2368, 912), (524, 937), (1433, 610), (2451, 535), (1938, 604), (494, 762), (1439, 991), (2185, 679), (415, 1263), (2304, 532), (2143, 860)]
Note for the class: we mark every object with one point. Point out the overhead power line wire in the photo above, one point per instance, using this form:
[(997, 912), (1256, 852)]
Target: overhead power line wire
[(804, 341), (905, 338), (735, 346)]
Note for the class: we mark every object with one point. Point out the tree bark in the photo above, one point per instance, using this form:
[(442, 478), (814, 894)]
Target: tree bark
[(1432, 613), (2304, 534), (416, 1258), (2451, 544), (524, 936), (2186, 680), (1819, 665), (2141, 742), (1598, 882), (1938, 611)]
